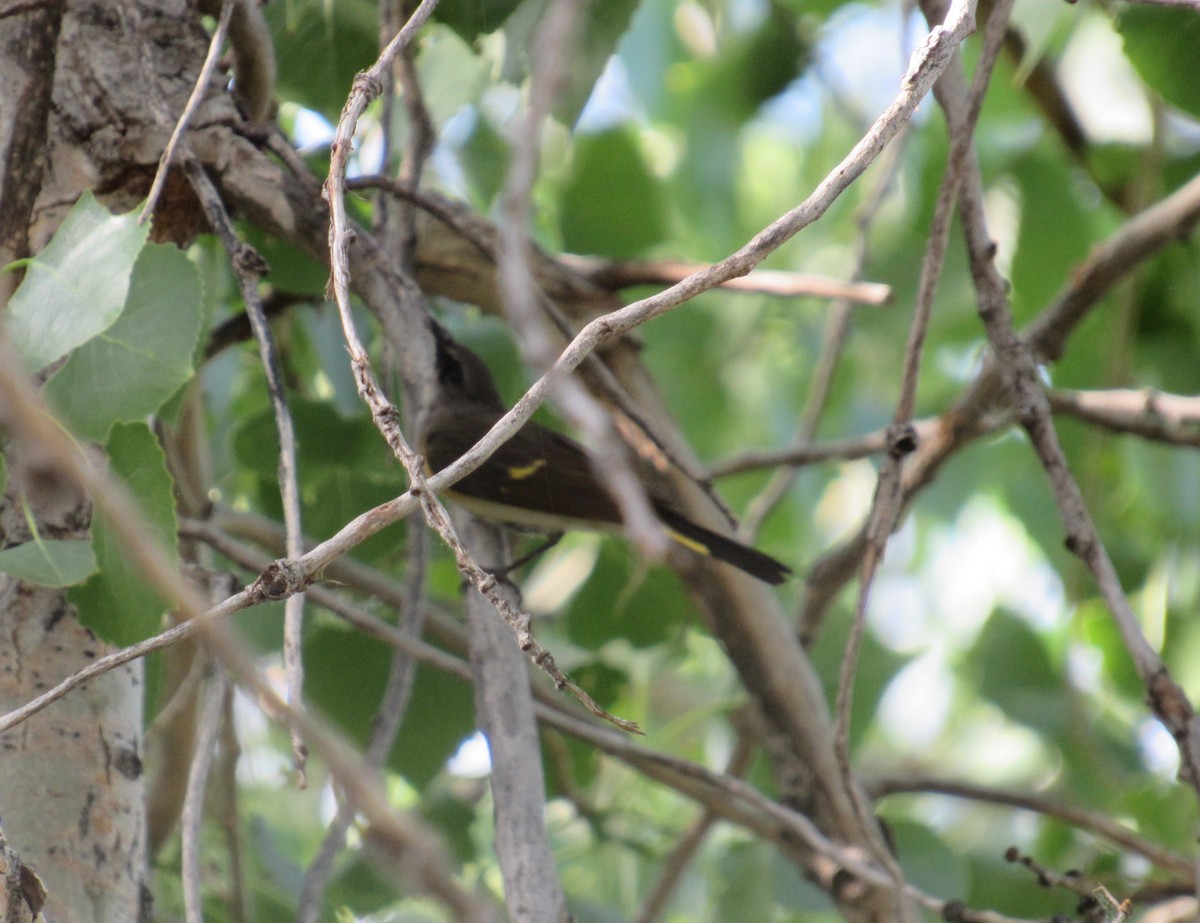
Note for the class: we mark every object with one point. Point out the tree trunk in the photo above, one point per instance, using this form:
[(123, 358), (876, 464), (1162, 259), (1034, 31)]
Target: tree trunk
[(71, 792)]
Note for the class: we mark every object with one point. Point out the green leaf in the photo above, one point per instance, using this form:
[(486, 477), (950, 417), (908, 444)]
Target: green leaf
[(627, 218), (117, 603), (130, 369), (756, 67), (1161, 44), (1054, 233), (746, 883), (320, 46), (49, 562), (927, 861), (1013, 671), (473, 18), (76, 287), (291, 269), (344, 469), (345, 676), (604, 22), (484, 156), (645, 614), (452, 75)]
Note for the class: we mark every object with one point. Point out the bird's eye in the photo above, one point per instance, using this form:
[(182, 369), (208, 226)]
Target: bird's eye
[(452, 372)]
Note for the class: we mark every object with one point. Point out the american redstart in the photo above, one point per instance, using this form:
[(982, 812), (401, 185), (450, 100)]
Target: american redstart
[(540, 480)]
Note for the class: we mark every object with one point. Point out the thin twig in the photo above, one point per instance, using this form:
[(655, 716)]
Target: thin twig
[(974, 412), (192, 818), (555, 40), (1092, 821), (1017, 364), (618, 274), (887, 502), (392, 708), (193, 103), (426, 866), (833, 340), (248, 269), (848, 449), (385, 416), (1169, 418)]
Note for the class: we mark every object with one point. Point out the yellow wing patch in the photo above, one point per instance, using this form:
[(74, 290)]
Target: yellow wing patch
[(526, 471)]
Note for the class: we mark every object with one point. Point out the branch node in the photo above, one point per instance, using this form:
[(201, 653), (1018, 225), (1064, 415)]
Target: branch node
[(368, 84), (248, 261), (901, 440), (280, 580), (1079, 545)]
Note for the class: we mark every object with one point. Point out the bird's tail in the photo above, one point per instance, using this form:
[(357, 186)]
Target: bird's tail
[(705, 541)]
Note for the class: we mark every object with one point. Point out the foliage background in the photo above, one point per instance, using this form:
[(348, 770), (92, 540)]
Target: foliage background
[(684, 129)]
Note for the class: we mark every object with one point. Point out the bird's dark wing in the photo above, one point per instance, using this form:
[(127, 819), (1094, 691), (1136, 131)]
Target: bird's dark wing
[(539, 472)]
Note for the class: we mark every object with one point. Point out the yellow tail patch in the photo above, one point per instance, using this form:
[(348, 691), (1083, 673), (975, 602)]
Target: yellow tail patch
[(691, 543)]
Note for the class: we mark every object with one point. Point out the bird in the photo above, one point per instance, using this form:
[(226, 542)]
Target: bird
[(541, 480)]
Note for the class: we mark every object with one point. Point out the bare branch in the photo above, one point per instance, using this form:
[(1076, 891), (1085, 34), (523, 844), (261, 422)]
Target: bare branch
[(193, 103), (248, 269), (1016, 362), (427, 866), (1092, 821), (1169, 418), (193, 803), (619, 274)]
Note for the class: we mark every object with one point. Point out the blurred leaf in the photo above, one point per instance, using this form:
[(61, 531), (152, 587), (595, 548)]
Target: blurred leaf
[(603, 24), (49, 562), (746, 886), (646, 613), (877, 667), (319, 48), (451, 74), (1054, 234), (290, 269), (345, 676), (812, 7), (1012, 670), (1096, 628), (927, 861), (152, 343), (601, 681), (344, 469), (628, 218), (324, 439), (485, 158), (756, 67), (453, 816), (473, 18), (1012, 889), (117, 603), (359, 887), (1161, 44), (75, 287)]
